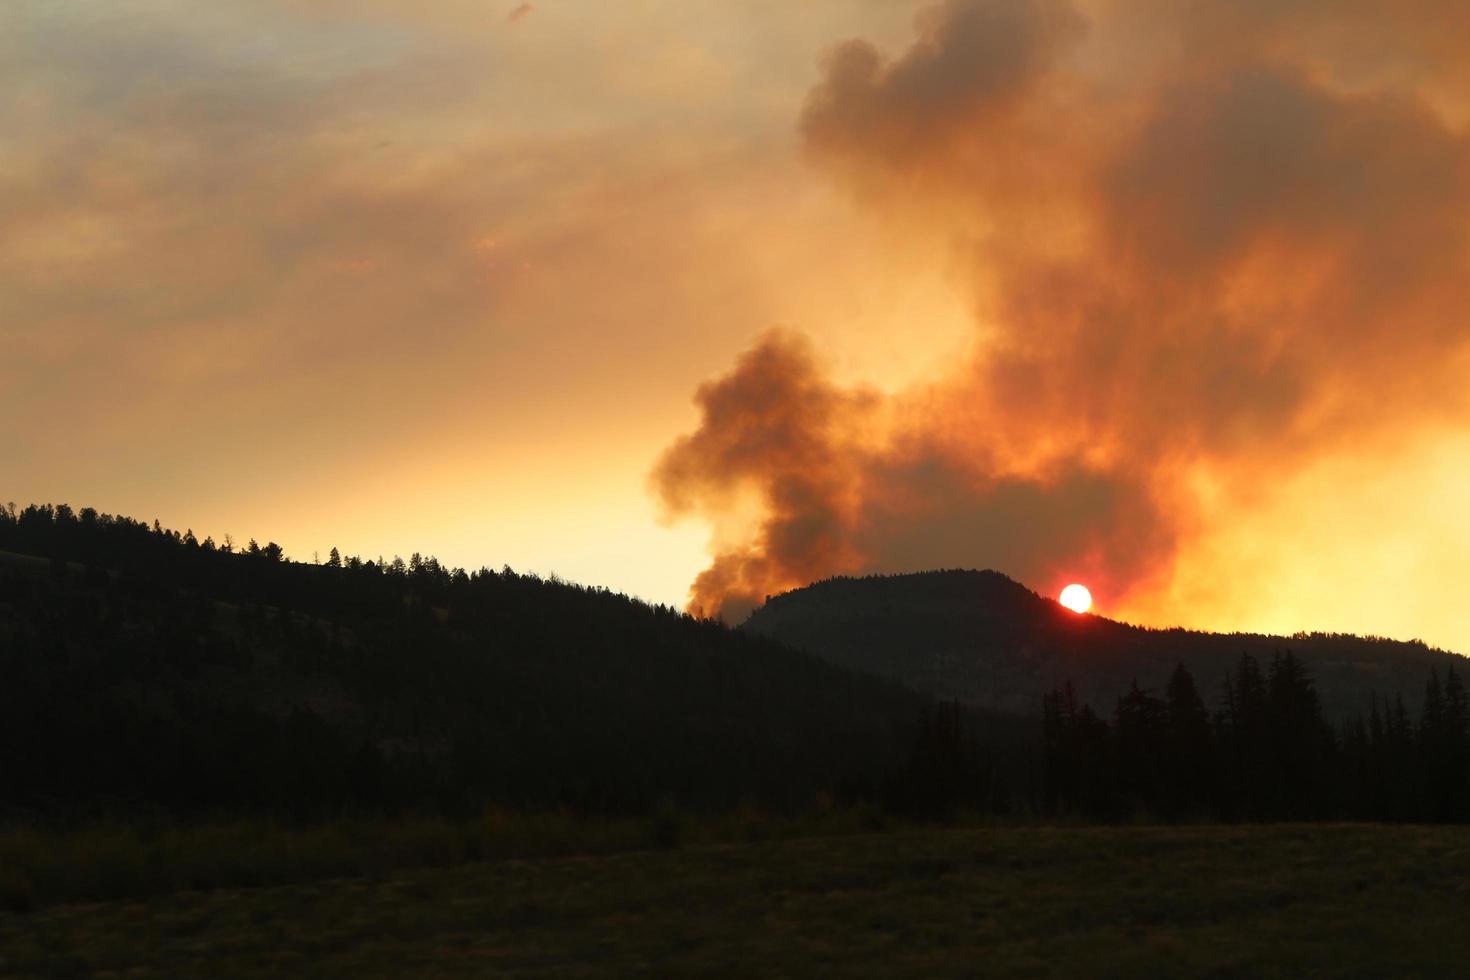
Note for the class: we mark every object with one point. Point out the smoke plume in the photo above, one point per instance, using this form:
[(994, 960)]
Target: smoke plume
[(1202, 250)]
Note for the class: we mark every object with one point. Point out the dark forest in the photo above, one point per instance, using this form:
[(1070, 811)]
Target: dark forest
[(149, 671)]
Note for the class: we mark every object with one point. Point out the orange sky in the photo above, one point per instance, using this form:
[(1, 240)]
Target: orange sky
[(1172, 303)]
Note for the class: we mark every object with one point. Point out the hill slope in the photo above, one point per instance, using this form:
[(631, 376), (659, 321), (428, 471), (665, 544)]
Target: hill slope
[(145, 669), (988, 641)]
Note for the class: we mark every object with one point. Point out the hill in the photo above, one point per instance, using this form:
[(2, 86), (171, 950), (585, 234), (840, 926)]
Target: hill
[(146, 669), (988, 641), (147, 672)]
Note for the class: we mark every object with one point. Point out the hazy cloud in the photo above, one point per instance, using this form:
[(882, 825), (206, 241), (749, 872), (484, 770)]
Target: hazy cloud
[(971, 64), (777, 428), (1225, 264)]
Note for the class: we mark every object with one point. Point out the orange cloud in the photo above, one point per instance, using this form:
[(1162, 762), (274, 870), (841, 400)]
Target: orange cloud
[(777, 426), (1216, 257)]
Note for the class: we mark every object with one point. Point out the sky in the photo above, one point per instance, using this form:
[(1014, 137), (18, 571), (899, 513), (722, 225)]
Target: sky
[(705, 300)]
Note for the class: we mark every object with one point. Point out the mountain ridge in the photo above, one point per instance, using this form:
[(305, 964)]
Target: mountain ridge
[(982, 638), (144, 669)]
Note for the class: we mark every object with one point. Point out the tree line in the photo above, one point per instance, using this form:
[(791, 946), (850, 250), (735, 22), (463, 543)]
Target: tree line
[(145, 668), (1264, 751)]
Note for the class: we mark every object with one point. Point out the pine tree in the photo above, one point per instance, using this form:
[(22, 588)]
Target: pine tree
[(1245, 738), (1456, 746), (1431, 750), (1189, 749), (1300, 741), (1401, 761), (1140, 734)]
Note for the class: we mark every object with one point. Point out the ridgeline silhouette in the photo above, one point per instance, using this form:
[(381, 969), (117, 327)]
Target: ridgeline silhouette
[(1265, 753), (145, 668), (146, 671), (985, 640)]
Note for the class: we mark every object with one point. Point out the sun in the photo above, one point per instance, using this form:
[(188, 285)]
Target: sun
[(1076, 598)]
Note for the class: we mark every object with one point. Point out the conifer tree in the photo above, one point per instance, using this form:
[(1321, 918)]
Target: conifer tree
[(1189, 750), (1432, 750)]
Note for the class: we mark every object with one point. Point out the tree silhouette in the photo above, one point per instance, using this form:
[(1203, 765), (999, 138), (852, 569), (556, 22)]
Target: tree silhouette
[(1189, 752), (145, 672), (1140, 728)]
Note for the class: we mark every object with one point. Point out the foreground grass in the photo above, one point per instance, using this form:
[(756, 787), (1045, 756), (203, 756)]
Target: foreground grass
[(123, 860), (1337, 900)]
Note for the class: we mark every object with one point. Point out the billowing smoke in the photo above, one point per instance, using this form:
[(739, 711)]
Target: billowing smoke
[(1202, 248)]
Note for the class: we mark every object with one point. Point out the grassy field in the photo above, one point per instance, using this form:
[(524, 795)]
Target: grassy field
[(1341, 901)]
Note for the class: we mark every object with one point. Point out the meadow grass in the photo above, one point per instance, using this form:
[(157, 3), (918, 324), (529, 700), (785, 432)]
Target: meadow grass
[(137, 859), (1262, 901)]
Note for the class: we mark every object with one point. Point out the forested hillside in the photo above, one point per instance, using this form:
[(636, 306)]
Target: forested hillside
[(146, 672), (145, 668), (1170, 724), (988, 641)]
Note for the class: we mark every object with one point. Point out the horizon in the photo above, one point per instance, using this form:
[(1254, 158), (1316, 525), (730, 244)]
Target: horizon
[(237, 548), (704, 302)]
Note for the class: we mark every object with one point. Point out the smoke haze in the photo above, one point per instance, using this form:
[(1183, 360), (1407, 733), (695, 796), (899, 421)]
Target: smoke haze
[(1203, 253)]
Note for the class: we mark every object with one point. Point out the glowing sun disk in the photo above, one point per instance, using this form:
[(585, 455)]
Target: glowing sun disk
[(1076, 598)]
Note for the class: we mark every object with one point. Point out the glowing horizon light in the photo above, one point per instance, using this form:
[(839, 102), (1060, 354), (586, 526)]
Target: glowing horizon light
[(1076, 598)]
